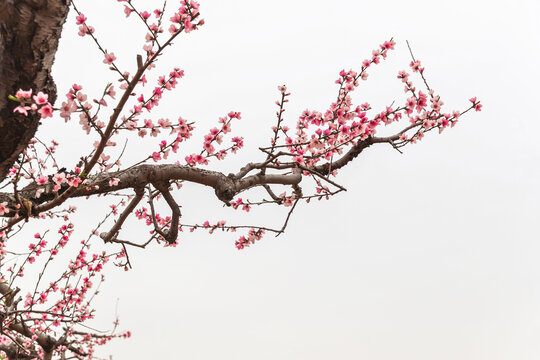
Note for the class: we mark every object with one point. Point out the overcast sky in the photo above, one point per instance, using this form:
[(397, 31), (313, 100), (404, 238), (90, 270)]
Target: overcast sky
[(430, 254)]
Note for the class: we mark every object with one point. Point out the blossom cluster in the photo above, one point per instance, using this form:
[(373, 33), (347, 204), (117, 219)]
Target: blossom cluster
[(62, 304), (39, 102), (253, 235), (324, 136), (215, 136)]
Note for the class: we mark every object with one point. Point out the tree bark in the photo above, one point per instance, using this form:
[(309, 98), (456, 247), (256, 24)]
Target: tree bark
[(29, 35)]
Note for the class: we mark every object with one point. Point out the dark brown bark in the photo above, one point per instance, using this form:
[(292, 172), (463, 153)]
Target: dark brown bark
[(29, 35)]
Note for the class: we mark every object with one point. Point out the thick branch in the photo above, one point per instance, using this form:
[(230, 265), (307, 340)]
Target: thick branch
[(225, 187)]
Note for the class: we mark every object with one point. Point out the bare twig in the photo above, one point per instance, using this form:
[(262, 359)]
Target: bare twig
[(109, 236)]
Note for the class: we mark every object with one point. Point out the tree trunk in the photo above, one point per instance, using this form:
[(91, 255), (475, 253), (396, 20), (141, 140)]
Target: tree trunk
[(29, 34)]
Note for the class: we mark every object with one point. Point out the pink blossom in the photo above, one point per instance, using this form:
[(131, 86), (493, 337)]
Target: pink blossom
[(3, 208), (164, 123), (74, 181), (42, 179), (41, 98), (200, 159), (148, 48), (111, 92), (127, 10), (148, 123), (415, 66), (241, 243), (81, 97), (411, 103), (67, 109), (83, 120), (388, 45), (422, 101), (145, 15), (288, 201), (84, 29), (46, 111), (80, 19), (404, 76), (209, 147), (22, 109), (443, 122), (158, 92), (59, 178), (156, 156), (114, 182), (234, 114), (436, 105), (109, 58), (188, 26), (476, 104), (38, 193), (21, 94), (226, 128)]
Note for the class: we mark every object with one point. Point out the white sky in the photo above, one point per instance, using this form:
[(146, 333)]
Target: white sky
[(432, 254)]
